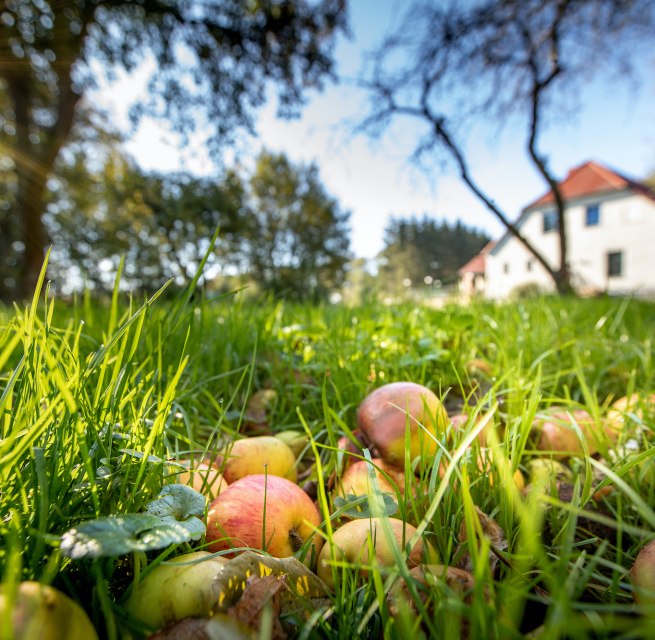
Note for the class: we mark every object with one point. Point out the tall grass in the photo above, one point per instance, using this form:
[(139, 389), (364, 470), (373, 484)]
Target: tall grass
[(94, 399)]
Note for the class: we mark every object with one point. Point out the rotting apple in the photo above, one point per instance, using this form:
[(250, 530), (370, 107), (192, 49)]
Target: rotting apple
[(351, 542), (203, 477), (264, 512), (257, 455), (642, 576), (177, 589), (386, 413), (41, 612)]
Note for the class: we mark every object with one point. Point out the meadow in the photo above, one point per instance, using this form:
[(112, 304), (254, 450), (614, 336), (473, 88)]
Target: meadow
[(97, 399)]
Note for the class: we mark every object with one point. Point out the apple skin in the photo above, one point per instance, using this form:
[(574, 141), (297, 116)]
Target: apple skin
[(558, 437), (615, 420), (356, 481), (236, 517), (41, 612), (181, 588), (350, 543), (257, 455), (385, 413), (642, 576), (202, 477)]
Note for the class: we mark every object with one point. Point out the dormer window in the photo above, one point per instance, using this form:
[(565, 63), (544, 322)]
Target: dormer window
[(550, 221), (592, 215)]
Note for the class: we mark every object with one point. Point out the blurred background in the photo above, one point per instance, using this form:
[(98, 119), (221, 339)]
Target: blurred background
[(343, 150)]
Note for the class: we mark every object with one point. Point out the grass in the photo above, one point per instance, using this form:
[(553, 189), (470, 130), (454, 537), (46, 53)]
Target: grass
[(94, 398)]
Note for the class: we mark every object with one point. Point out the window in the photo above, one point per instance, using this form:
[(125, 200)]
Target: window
[(550, 221), (506, 267), (592, 215), (528, 265), (614, 263)]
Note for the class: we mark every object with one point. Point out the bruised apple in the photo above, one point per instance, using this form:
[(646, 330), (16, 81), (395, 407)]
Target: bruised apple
[(263, 512), (385, 415), (202, 477), (642, 576), (41, 612), (177, 589), (351, 542), (257, 455)]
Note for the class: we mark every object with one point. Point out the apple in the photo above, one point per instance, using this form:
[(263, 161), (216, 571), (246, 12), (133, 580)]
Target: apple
[(428, 578), (459, 420), (257, 455), (557, 436), (41, 612), (489, 469), (264, 512), (356, 479), (642, 576), (202, 477), (350, 543), (386, 413), (177, 589), (615, 420), (297, 441)]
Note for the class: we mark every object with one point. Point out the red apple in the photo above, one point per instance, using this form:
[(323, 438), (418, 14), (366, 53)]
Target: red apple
[(257, 455), (351, 541), (264, 512), (642, 576), (558, 437), (356, 479), (386, 413)]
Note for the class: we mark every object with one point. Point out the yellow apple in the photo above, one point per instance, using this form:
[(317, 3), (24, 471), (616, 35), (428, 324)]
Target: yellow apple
[(615, 420), (351, 541), (202, 477), (386, 414), (179, 588), (264, 512), (41, 612), (257, 455)]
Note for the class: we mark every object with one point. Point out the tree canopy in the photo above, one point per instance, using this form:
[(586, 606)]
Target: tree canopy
[(214, 62), (449, 64)]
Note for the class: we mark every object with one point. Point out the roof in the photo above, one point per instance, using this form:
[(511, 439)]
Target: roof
[(476, 263), (590, 179)]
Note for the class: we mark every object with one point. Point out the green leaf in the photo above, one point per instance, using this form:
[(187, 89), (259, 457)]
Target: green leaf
[(118, 535), (178, 501)]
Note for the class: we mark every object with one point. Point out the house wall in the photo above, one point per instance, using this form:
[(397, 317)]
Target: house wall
[(626, 225)]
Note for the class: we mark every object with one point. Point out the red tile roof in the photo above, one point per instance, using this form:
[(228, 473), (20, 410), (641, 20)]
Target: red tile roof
[(477, 263), (590, 179)]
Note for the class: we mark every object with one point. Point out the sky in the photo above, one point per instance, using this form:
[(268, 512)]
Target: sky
[(374, 179)]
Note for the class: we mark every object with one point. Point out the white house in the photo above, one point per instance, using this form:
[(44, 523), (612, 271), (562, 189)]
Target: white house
[(610, 225)]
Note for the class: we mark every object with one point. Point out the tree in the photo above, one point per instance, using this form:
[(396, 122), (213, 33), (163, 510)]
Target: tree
[(214, 59), (449, 64), (297, 238), (419, 251), (102, 208)]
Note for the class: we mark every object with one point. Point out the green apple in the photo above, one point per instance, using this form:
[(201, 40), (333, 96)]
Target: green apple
[(264, 512), (41, 612), (257, 455), (179, 588), (386, 414), (297, 441), (351, 543)]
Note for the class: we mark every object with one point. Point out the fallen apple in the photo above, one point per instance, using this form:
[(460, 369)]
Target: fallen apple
[(642, 576), (490, 469), (41, 612), (257, 455), (351, 542), (203, 477), (297, 441), (179, 588), (264, 512), (558, 437), (388, 412), (356, 479), (615, 420)]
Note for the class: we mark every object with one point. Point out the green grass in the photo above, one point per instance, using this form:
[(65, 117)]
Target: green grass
[(81, 384)]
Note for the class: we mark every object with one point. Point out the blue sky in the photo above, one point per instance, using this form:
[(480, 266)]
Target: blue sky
[(374, 179)]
